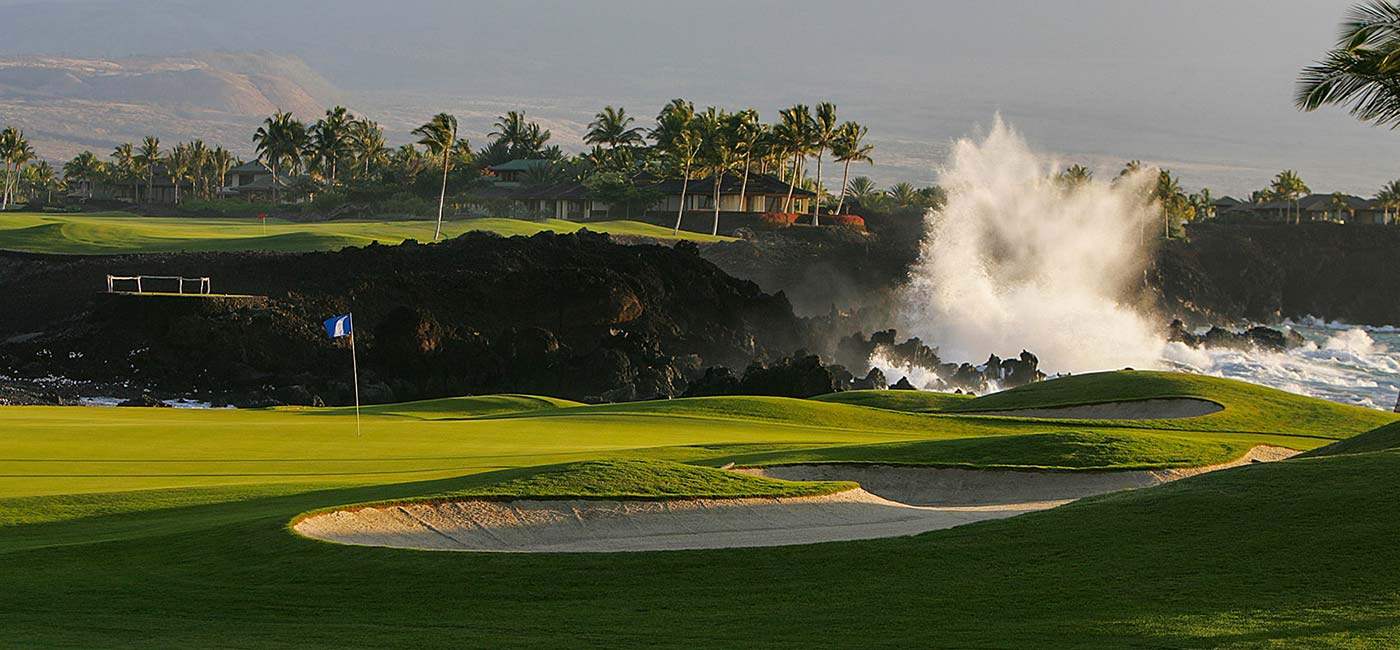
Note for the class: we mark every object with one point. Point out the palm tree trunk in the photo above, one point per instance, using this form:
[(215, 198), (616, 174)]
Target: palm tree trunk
[(442, 196), (842, 202), (718, 179), (5, 195), (685, 184), (817, 203), (792, 184), (744, 188)]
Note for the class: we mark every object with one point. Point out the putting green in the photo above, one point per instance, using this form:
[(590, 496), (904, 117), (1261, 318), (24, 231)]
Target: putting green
[(165, 528), (116, 232)]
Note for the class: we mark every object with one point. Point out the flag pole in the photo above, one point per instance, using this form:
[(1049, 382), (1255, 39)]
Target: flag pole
[(355, 369)]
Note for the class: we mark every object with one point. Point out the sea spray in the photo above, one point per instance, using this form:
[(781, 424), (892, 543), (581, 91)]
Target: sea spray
[(1017, 259), (1020, 260)]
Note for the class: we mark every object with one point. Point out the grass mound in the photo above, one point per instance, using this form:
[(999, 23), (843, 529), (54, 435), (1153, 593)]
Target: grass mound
[(116, 232), (634, 479), (1248, 407), (1384, 438), (1061, 450), (914, 401), (479, 406)]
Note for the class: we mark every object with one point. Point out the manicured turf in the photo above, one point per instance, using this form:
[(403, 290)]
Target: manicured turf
[(634, 479), (1384, 438), (1062, 450), (896, 400), (1295, 554), (115, 232)]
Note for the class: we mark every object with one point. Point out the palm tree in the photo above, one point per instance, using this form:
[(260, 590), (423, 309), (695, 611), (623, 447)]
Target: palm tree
[(178, 165), (1129, 168), (847, 147), (280, 141), (1361, 71), (525, 139), (147, 158), (84, 168), (439, 135), (717, 152), (367, 145), (1287, 186), (903, 194), (793, 134), (124, 165), (221, 161), (330, 140), (1076, 175), (822, 133), (198, 164), (861, 190), (746, 134), (1207, 210), (612, 128), (677, 136), (1168, 193), (1337, 204), (42, 177), (14, 151), (1389, 197)]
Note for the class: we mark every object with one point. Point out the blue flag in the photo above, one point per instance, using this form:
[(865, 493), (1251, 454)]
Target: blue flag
[(339, 326)]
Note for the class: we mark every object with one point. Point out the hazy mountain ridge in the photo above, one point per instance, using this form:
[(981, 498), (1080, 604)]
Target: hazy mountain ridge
[(68, 104)]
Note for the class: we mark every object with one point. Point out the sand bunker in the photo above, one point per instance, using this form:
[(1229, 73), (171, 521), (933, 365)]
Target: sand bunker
[(895, 501), (934, 486), (605, 526), (1143, 409)]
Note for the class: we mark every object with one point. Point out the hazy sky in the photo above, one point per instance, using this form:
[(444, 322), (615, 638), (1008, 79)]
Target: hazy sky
[(1202, 86)]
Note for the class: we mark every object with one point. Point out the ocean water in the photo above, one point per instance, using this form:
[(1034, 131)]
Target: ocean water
[(1352, 364), (1018, 260)]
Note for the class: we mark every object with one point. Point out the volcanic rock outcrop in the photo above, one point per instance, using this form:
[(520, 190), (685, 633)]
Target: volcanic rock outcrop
[(575, 316)]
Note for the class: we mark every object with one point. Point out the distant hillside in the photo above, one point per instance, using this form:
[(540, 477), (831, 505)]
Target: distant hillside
[(68, 104)]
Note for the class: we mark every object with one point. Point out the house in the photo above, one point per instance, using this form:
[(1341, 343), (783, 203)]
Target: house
[(251, 181), (159, 187), (1337, 208), (764, 193), (516, 170), (571, 200)]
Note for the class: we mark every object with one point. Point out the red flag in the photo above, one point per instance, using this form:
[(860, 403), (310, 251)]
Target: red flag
[(263, 217)]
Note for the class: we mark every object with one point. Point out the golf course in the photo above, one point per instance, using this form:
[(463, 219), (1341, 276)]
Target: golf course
[(117, 232), (174, 528)]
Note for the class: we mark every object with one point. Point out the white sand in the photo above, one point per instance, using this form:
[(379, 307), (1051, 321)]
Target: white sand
[(1143, 409), (899, 501)]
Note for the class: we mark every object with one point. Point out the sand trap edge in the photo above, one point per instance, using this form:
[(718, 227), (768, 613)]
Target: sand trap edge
[(619, 525)]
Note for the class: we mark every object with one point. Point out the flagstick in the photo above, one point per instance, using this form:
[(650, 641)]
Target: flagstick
[(355, 368)]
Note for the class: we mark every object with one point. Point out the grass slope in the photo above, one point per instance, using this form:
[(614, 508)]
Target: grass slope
[(115, 232), (1292, 554), (161, 528), (1248, 407), (1384, 438), (632, 479), (1063, 450), (896, 400)]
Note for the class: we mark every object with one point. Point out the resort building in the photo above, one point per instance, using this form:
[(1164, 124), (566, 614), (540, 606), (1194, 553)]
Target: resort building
[(1336, 208), (571, 200)]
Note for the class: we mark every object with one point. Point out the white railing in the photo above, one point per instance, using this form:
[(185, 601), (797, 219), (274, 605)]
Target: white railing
[(180, 282)]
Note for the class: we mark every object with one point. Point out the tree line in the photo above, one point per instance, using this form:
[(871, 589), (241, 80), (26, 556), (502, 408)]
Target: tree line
[(342, 156)]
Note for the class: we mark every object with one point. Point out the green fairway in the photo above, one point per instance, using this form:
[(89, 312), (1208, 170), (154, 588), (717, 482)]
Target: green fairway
[(116, 232), (165, 528)]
